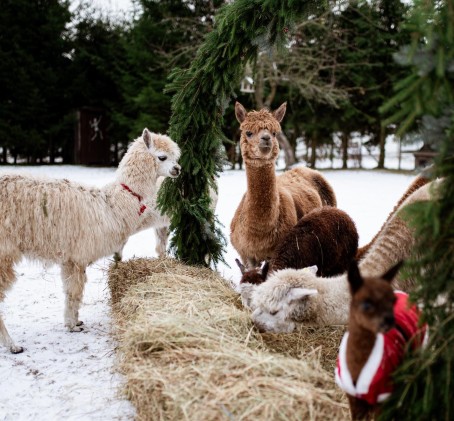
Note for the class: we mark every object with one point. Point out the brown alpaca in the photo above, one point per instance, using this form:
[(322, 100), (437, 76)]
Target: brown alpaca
[(326, 237), (272, 204), (418, 182), (381, 324)]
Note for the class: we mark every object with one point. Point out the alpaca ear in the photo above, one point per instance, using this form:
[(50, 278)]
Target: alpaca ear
[(391, 274), (265, 269), (241, 266), (280, 112), (240, 112), (311, 269), (354, 277), (297, 294), (146, 136)]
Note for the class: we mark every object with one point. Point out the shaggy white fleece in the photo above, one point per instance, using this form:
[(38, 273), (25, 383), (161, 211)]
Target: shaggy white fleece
[(66, 223)]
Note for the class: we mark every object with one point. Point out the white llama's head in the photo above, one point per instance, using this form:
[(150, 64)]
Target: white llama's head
[(165, 151)]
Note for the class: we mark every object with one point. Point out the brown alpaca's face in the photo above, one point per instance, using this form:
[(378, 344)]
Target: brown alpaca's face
[(373, 299), (372, 306), (258, 133)]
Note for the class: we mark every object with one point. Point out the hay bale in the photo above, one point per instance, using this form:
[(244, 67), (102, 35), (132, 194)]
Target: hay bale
[(189, 351)]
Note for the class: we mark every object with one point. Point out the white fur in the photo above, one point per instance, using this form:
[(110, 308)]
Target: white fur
[(66, 223), (288, 296)]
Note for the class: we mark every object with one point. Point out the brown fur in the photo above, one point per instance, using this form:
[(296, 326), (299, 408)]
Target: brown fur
[(418, 182), (272, 204), (325, 237), (364, 324)]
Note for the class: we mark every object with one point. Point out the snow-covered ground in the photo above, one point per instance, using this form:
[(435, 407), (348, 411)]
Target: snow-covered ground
[(71, 376)]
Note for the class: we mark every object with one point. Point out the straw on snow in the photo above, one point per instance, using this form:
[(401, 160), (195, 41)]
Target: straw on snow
[(189, 351)]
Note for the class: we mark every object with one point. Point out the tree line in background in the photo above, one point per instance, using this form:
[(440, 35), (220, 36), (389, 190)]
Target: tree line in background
[(335, 74)]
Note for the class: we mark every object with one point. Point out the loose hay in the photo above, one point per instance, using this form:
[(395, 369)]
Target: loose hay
[(189, 351)]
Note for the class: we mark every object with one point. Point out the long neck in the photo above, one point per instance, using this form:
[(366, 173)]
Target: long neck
[(138, 171), (359, 347), (395, 240), (393, 245), (262, 194)]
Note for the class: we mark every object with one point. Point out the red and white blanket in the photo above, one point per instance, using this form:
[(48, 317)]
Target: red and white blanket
[(374, 382)]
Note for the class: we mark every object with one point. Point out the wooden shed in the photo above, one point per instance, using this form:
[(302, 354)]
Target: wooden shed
[(424, 156), (91, 146)]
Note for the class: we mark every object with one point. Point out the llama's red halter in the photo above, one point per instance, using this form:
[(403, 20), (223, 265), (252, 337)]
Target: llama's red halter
[(139, 198)]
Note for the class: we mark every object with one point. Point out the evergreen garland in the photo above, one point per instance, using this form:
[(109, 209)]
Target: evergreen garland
[(201, 95), (424, 384)]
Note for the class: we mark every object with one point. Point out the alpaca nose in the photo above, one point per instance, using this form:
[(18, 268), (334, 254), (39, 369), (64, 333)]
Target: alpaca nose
[(175, 171), (265, 142)]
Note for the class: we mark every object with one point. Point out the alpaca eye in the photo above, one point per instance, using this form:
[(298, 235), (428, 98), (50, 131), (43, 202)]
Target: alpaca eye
[(274, 134), (366, 306), (248, 134), (162, 158), (273, 313)]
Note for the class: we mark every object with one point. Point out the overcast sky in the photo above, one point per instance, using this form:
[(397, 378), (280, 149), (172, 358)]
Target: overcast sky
[(112, 7)]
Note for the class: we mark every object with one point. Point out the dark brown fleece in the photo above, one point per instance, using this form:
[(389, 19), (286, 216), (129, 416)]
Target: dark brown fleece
[(326, 237)]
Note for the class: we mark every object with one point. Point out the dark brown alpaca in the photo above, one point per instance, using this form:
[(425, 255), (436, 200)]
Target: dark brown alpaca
[(380, 325), (272, 204), (326, 237)]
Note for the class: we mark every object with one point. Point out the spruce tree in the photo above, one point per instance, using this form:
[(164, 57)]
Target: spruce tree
[(34, 50), (424, 385), (201, 94)]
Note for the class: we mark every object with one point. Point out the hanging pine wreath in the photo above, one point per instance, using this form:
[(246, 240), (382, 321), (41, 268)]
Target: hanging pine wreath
[(201, 95)]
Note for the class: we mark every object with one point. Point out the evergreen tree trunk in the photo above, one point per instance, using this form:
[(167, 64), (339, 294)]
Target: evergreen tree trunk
[(382, 142), (345, 140), (331, 154), (314, 143), (51, 152)]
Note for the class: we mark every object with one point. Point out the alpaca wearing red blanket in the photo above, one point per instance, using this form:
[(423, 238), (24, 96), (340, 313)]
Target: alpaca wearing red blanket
[(381, 324)]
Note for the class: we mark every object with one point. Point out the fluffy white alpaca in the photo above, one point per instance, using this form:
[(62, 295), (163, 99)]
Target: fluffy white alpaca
[(69, 224), (292, 296)]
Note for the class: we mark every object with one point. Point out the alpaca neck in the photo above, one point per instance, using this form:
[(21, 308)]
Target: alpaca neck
[(359, 347), (262, 195), (135, 169), (333, 301)]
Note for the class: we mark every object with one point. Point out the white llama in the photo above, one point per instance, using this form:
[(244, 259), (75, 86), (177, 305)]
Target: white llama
[(72, 225)]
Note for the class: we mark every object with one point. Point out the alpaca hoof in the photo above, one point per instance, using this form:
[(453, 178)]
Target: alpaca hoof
[(76, 329), (16, 349), (117, 257)]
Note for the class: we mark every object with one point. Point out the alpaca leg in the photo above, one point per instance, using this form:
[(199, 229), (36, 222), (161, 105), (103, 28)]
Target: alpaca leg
[(118, 255), (161, 234), (7, 278), (74, 279)]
